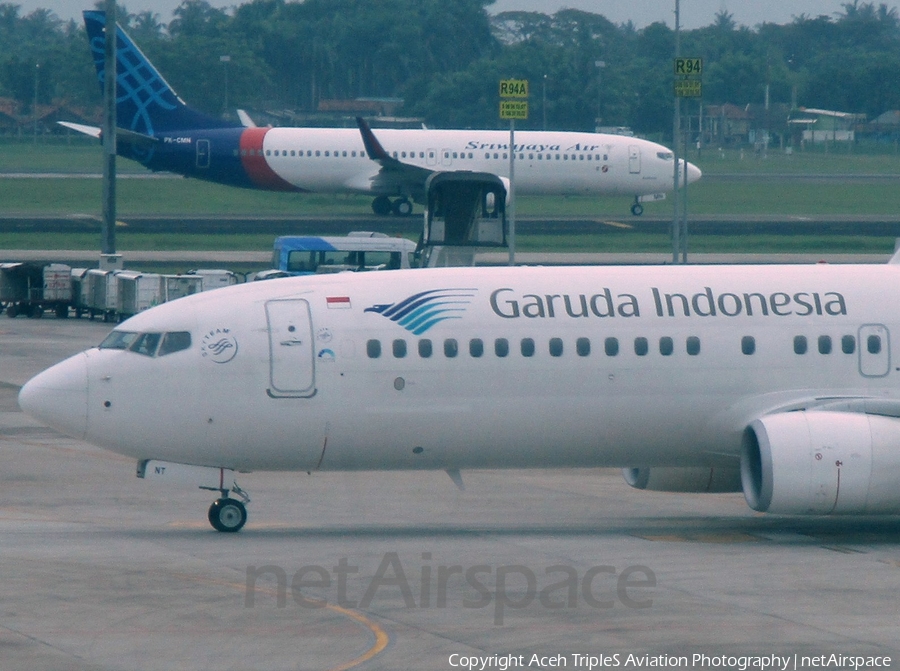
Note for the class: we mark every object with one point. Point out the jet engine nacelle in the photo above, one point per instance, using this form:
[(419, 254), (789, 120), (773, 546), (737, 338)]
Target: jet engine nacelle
[(691, 479), (822, 463)]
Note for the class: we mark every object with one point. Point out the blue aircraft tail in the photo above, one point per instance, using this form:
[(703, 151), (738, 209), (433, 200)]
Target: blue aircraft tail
[(145, 102)]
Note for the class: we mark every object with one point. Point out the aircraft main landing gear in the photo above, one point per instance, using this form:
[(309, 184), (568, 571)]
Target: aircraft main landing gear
[(228, 514), (383, 206), (636, 208), (402, 207)]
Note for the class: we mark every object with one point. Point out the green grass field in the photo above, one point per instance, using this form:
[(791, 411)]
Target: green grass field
[(625, 241), (770, 196), (766, 191)]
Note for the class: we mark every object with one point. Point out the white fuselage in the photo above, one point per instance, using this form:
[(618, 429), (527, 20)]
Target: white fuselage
[(327, 160), (651, 366)]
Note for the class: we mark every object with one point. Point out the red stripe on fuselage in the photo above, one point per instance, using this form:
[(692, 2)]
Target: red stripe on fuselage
[(255, 165)]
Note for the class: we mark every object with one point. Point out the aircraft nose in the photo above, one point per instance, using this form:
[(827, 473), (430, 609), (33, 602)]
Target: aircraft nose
[(58, 396), (693, 173)]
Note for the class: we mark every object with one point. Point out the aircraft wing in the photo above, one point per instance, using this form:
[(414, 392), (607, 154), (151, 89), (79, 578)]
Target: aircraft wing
[(394, 176)]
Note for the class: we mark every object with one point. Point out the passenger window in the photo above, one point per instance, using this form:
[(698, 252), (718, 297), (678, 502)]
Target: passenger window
[(451, 348), (476, 347), (501, 347), (800, 345), (583, 346), (146, 344), (873, 344), (848, 344), (611, 346), (425, 348), (693, 345), (666, 346), (118, 340), (174, 341), (373, 348), (824, 344), (748, 345), (641, 347), (556, 347), (399, 347), (527, 347)]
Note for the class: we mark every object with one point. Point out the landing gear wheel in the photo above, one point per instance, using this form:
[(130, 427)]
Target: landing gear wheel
[(402, 207), (637, 209), (381, 206), (228, 515)]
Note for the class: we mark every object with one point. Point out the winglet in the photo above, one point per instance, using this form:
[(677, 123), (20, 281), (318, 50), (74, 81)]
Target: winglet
[(373, 147), (246, 121)]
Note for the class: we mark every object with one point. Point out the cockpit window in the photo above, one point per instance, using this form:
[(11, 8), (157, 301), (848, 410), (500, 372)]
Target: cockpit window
[(175, 341), (665, 155), (146, 344), (118, 340)]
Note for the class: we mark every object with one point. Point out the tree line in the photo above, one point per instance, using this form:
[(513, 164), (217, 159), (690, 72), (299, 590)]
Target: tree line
[(444, 59)]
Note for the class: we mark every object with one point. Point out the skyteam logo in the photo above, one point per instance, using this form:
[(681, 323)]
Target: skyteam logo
[(420, 312)]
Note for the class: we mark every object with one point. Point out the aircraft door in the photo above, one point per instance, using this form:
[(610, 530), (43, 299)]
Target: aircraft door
[(874, 350), (291, 361), (203, 154), (431, 157), (446, 157), (634, 159)]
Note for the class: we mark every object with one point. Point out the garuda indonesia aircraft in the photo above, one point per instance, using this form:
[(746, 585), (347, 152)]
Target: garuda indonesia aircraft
[(157, 129), (782, 383)]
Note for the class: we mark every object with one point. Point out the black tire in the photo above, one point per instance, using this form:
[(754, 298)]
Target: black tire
[(402, 207), (227, 515), (381, 206), (12, 310), (637, 209)]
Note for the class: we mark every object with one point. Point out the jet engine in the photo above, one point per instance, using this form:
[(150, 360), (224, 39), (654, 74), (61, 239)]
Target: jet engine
[(709, 479), (822, 463)]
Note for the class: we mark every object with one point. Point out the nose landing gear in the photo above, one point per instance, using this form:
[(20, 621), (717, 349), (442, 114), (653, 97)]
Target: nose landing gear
[(636, 208), (228, 514)]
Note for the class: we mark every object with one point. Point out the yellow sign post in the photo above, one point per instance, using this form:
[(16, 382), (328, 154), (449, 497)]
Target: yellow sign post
[(513, 88), (688, 72), (513, 109), (514, 99), (688, 66), (688, 88), (513, 105)]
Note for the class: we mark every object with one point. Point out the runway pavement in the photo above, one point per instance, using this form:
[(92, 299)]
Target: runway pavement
[(403, 571), (136, 260)]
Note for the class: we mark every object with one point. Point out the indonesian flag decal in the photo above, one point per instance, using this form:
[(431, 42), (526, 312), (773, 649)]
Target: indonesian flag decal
[(338, 302)]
